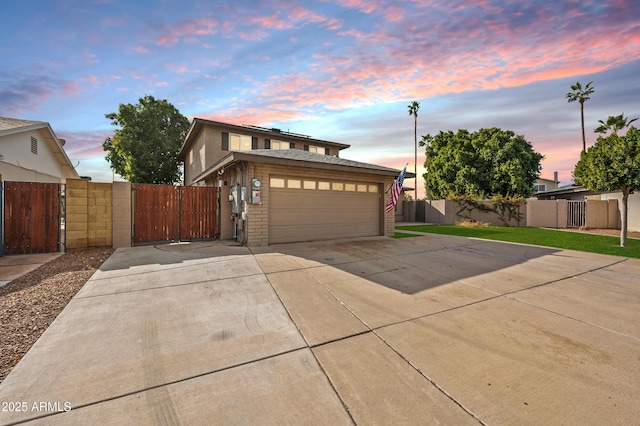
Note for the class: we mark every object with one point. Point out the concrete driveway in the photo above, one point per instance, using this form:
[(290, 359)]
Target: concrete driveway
[(425, 330)]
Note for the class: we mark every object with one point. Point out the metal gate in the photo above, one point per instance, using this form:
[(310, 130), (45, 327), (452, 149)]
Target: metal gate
[(576, 214), (31, 217), (167, 213)]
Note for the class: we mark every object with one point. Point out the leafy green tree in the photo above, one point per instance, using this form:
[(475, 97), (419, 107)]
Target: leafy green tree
[(612, 164), (481, 164), (581, 95), (145, 147), (613, 124), (413, 110)]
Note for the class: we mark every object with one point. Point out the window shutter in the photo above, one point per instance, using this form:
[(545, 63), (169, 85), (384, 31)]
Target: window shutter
[(225, 141), (267, 144), (306, 147), (254, 142), (326, 151)]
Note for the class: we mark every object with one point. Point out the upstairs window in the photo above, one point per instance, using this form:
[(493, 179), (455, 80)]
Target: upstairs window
[(317, 149), (280, 145), (539, 187), (34, 145), (239, 142)]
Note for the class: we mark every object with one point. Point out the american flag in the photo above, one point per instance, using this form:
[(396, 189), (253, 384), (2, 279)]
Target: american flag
[(395, 190)]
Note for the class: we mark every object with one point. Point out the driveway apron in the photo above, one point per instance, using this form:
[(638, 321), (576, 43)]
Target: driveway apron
[(424, 330)]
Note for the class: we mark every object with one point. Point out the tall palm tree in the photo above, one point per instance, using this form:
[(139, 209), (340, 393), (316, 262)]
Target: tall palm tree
[(614, 123), (581, 95), (413, 110)]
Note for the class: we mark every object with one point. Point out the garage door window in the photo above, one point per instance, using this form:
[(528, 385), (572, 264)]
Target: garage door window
[(293, 183), (276, 183), (323, 185)]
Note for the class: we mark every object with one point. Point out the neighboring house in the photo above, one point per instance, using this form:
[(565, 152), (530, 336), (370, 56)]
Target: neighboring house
[(580, 193), (542, 184), (31, 152), (567, 192), (279, 187)]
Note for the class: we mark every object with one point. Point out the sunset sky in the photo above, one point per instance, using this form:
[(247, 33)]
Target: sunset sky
[(342, 70)]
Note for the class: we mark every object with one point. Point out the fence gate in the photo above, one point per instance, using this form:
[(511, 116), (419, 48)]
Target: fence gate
[(420, 211), (31, 217), (167, 213), (576, 214)]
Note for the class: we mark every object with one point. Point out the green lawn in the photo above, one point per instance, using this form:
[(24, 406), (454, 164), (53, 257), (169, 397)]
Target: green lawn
[(537, 236)]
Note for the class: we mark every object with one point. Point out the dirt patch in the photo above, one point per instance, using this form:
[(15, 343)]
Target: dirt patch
[(29, 304)]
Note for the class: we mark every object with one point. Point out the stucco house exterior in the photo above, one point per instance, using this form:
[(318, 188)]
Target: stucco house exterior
[(280, 187), (543, 184), (31, 152), (579, 193)]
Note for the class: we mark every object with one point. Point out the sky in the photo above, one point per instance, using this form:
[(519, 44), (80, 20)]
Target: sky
[(342, 71)]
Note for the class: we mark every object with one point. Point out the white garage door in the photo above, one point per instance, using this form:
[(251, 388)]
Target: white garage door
[(309, 210)]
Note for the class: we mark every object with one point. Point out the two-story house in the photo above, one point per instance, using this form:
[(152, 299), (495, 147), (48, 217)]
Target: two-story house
[(31, 152), (279, 186)]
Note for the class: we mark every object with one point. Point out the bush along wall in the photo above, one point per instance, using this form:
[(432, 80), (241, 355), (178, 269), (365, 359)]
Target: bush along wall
[(506, 209)]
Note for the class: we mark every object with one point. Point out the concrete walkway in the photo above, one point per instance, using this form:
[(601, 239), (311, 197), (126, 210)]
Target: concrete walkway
[(12, 267), (425, 330)]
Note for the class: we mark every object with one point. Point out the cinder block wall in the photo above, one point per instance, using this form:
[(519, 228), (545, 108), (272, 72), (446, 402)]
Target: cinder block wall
[(77, 215), (89, 214)]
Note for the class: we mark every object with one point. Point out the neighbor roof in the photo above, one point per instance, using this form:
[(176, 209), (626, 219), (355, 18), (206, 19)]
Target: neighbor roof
[(300, 158), (10, 126), (13, 125), (198, 123)]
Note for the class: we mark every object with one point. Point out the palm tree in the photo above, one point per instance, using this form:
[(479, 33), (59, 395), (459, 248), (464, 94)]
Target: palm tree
[(413, 110), (614, 123), (581, 95)]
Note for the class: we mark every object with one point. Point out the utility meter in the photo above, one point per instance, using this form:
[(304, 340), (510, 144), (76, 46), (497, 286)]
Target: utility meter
[(255, 191)]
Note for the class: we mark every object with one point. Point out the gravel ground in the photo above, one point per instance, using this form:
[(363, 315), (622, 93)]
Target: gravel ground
[(29, 304)]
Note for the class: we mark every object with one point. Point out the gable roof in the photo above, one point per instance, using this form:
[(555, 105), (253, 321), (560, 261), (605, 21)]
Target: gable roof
[(199, 123), (10, 126), (299, 158)]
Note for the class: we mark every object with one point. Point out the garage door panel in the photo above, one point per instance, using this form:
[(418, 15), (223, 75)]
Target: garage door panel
[(305, 215)]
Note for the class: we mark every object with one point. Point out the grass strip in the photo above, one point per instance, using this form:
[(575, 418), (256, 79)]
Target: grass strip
[(602, 244)]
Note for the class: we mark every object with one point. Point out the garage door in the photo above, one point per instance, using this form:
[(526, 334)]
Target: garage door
[(309, 210)]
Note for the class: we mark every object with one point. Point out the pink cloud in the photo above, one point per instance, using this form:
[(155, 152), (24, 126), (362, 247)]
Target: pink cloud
[(271, 21), (393, 13), (298, 13), (181, 69), (84, 145), (142, 49), (364, 6), (253, 116), (71, 88), (188, 29)]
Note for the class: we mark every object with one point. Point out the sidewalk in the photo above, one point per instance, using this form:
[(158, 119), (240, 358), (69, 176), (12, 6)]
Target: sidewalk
[(12, 267)]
